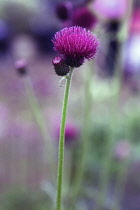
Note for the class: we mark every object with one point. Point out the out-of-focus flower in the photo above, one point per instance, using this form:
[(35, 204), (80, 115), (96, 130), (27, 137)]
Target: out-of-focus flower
[(135, 22), (76, 15), (21, 67), (61, 68), (131, 59), (110, 9), (83, 17), (71, 133), (75, 44), (132, 55), (64, 10)]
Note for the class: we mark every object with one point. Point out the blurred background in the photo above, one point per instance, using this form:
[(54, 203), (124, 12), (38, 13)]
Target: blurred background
[(103, 122)]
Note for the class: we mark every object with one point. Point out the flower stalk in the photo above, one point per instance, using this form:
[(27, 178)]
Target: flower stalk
[(62, 142)]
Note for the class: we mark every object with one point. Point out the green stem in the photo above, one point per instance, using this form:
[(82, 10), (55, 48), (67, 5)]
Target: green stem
[(36, 108), (62, 143), (38, 115)]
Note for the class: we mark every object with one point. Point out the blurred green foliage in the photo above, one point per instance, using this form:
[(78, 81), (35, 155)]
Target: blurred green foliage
[(23, 200)]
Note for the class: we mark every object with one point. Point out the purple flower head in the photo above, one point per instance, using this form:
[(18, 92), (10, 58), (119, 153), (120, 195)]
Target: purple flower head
[(75, 44), (61, 68), (84, 17)]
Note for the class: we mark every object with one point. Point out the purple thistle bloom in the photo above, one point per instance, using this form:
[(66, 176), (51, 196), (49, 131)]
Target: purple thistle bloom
[(75, 44)]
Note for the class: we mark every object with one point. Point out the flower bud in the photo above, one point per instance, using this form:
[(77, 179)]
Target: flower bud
[(61, 68), (21, 67)]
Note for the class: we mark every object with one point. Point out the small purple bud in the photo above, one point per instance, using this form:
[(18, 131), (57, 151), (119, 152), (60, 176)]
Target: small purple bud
[(61, 68), (21, 67)]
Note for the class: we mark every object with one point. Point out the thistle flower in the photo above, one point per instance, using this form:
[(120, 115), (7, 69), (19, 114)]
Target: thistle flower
[(61, 69), (84, 17), (75, 44)]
